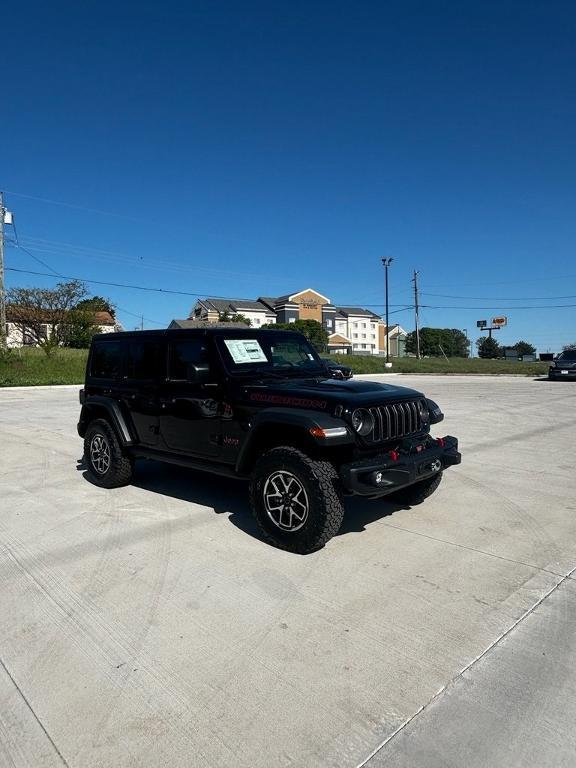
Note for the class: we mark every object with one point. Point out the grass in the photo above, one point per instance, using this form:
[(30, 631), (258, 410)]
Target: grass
[(30, 367), (440, 365)]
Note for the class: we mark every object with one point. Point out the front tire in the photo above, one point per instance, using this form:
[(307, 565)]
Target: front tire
[(106, 464), (295, 500), (417, 493)]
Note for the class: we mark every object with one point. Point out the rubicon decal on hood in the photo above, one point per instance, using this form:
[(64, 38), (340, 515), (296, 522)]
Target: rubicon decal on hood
[(299, 402)]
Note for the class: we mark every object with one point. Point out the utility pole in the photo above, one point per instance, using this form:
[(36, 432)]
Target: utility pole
[(2, 289), (416, 313), (386, 263)]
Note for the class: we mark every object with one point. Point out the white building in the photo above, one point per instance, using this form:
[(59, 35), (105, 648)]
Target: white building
[(18, 335), (210, 310), (350, 329)]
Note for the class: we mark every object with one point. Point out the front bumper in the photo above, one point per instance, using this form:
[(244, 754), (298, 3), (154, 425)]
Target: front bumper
[(383, 474), (562, 373)]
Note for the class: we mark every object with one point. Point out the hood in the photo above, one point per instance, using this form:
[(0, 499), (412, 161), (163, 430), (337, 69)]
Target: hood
[(321, 393)]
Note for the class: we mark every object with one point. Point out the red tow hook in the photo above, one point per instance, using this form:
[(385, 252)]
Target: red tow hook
[(441, 442), (394, 455)]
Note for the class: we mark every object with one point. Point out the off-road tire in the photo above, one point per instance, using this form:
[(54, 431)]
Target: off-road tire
[(319, 481), (108, 467), (417, 493)]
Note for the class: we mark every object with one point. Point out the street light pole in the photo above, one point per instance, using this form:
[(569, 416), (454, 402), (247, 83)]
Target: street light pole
[(386, 262)]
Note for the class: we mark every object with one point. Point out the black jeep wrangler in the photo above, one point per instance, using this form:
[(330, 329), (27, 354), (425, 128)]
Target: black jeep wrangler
[(258, 404)]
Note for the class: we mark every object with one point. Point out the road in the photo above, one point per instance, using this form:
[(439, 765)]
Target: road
[(150, 626)]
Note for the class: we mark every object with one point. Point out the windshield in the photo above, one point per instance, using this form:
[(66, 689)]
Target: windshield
[(272, 353), (568, 354)]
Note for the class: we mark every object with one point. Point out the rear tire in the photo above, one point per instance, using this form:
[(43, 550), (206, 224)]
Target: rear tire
[(417, 493), (106, 463), (295, 500)]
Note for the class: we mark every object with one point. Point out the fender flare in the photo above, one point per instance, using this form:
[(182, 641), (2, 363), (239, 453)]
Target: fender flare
[(302, 419), (114, 412)]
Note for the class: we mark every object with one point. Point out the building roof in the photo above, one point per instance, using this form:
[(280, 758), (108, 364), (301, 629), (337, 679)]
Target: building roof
[(202, 324), (282, 300), (19, 314), (309, 290), (237, 305), (104, 318), (356, 312), (395, 330), (269, 301)]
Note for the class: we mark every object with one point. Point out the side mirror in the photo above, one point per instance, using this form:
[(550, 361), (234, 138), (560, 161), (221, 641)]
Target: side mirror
[(198, 374)]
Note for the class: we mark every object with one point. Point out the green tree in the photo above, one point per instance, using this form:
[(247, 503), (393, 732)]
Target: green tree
[(97, 304), (435, 340), (80, 327), (524, 348), (226, 317), (46, 315), (569, 346), (488, 347), (312, 329)]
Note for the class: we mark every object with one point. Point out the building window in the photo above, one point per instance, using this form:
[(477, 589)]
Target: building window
[(363, 325), (354, 325), (328, 323), (354, 335), (291, 319), (363, 335)]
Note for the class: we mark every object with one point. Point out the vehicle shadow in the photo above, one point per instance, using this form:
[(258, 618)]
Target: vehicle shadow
[(229, 496)]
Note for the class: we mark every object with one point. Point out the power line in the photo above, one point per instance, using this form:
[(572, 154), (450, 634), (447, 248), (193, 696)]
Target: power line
[(57, 274), (69, 250), (502, 309), (116, 285), (44, 264), (499, 298), (171, 291), (73, 205)]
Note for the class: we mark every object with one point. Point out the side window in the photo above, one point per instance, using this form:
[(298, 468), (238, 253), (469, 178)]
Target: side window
[(106, 359), (183, 354), (144, 360)]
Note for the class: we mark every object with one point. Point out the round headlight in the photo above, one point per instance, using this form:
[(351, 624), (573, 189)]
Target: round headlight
[(423, 410), (362, 421)]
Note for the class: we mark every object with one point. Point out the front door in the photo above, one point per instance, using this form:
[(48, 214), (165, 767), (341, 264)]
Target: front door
[(190, 411)]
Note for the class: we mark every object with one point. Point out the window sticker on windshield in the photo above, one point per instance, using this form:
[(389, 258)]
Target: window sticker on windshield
[(245, 351)]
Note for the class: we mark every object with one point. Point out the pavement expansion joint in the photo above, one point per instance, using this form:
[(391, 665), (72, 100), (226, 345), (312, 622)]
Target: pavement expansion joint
[(478, 551), (33, 713), (453, 680)]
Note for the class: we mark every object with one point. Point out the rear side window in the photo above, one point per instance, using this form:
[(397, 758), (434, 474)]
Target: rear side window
[(144, 360), (183, 354), (106, 359)]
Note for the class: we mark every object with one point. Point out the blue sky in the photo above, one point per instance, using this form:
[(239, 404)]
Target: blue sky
[(258, 148)]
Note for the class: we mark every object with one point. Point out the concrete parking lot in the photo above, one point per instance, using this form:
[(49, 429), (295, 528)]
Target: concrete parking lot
[(150, 626)]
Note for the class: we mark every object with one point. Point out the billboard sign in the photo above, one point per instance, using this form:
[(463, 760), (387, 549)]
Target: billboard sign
[(499, 322), (481, 323)]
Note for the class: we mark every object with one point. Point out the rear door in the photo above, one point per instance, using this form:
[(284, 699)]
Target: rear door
[(190, 411), (144, 367)]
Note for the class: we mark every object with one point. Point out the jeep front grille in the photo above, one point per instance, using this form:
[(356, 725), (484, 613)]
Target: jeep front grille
[(393, 421)]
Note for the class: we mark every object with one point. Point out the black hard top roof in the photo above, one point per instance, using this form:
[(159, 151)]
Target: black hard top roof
[(190, 332)]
